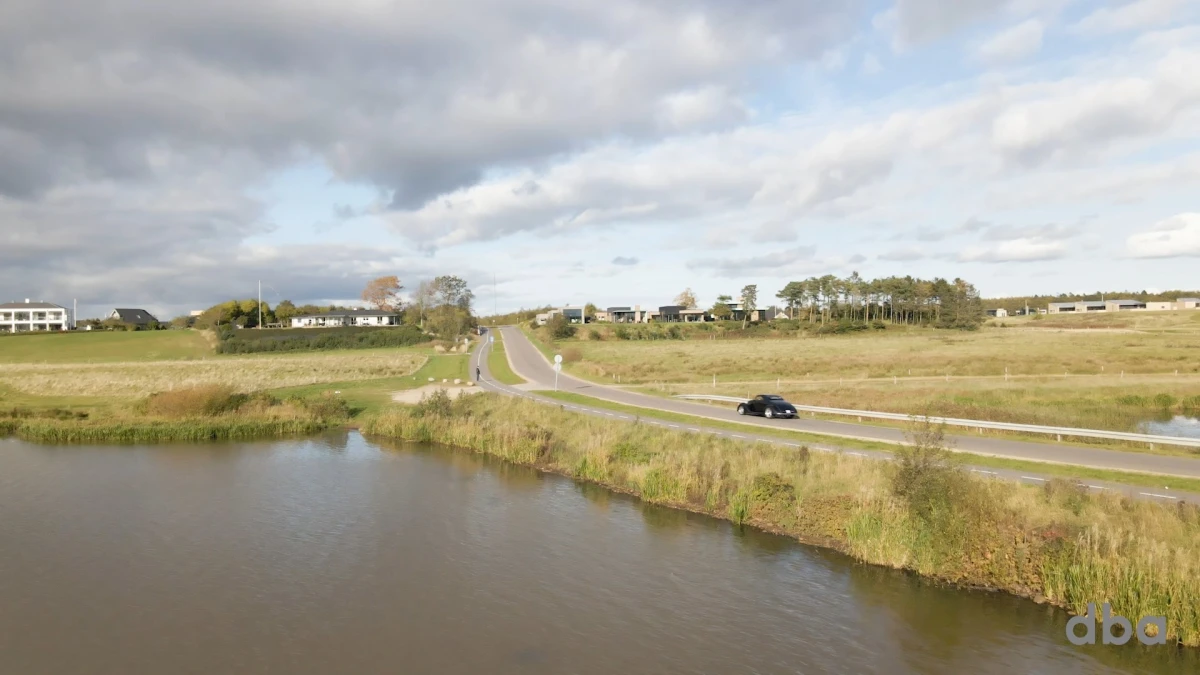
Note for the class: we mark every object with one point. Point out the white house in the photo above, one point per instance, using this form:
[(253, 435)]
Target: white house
[(23, 317), (347, 317)]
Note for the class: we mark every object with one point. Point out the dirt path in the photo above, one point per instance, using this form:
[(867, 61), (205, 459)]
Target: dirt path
[(414, 396)]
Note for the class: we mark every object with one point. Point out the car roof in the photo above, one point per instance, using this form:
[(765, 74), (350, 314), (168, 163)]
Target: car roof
[(770, 396)]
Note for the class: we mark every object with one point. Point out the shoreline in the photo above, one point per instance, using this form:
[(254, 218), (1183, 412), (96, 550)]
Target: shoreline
[(985, 542)]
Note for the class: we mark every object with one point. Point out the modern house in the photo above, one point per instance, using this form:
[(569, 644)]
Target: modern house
[(763, 314), (347, 317), (999, 313), (633, 314), (1122, 306), (680, 314), (573, 314), (24, 317), (133, 317)]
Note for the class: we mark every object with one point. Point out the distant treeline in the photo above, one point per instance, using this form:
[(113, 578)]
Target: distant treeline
[(309, 339), (519, 316), (1040, 301)]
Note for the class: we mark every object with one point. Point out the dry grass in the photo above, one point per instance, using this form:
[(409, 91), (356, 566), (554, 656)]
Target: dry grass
[(1090, 402), (1058, 542), (250, 373), (918, 353)]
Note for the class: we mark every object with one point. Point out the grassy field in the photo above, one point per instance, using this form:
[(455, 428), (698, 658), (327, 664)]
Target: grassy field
[(1073, 473), (372, 395), (921, 513), (1090, 376), (498, 362), (245, 373), (104, 346)]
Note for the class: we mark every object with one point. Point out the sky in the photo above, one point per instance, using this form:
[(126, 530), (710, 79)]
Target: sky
[(171, 155)]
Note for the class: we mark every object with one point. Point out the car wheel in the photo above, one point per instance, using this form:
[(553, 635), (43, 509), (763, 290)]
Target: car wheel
[(770, 413), (741, 410)]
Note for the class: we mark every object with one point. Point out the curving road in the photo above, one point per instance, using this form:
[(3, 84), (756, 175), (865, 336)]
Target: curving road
[(532, 366)]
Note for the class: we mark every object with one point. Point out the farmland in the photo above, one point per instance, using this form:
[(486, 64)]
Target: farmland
[(1077, 371)]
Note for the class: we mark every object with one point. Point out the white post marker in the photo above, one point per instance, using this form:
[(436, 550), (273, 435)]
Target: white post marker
[(557, 369)]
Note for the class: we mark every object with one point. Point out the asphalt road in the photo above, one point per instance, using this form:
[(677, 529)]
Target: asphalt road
[(532, 366)]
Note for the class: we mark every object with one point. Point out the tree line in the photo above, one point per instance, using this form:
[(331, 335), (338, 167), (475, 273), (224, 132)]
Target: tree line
[(899, 300), (441, 306)]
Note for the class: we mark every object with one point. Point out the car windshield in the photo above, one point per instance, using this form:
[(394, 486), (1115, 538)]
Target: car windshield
[(773, 398)]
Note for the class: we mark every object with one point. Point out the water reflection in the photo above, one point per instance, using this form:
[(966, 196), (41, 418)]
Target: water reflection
[(1177, 425), (336, 555)]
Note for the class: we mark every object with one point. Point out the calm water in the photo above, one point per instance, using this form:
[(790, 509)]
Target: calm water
[(1178, 425), (340, 556)]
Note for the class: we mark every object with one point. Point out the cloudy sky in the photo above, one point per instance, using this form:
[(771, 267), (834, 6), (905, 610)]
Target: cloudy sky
[(171, 154)]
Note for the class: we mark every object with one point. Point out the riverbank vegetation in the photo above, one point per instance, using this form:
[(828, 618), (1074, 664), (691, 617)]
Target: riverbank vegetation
[(923, 513), (199, 413)]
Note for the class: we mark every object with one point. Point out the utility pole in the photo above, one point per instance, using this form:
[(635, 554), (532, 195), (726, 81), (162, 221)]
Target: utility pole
[(74, 313), (260, 304)]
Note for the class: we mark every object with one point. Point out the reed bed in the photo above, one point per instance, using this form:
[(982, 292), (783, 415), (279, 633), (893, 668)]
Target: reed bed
[(925, 514), (251, 373), (163, 431)]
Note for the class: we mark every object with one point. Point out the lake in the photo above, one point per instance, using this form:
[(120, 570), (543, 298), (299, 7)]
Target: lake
[(341, 555)]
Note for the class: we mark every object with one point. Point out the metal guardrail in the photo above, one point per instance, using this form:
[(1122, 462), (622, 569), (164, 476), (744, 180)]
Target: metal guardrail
[(1059, 432)]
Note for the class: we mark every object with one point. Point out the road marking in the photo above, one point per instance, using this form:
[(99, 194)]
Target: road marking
[(982, 471), (856, 454), (673, 426), (734, 436), (1040, 480), (794, 445), (1097, 487), (1151, 494)]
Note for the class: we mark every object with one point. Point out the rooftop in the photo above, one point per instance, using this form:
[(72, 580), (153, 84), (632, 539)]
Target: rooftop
[(29, 305)]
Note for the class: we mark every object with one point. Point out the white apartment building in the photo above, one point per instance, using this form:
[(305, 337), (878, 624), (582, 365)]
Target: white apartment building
[(24, 317)]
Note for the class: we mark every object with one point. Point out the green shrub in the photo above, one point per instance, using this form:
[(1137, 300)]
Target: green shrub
[(594, 334), (436, 404), (1164, 401), (249, 341), (621, 333)]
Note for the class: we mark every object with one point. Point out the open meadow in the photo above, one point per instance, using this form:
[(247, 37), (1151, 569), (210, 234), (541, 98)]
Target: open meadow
[(105, 346), (1101, 372)]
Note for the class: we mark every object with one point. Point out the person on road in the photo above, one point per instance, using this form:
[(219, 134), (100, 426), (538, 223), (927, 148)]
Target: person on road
[(477, 373)]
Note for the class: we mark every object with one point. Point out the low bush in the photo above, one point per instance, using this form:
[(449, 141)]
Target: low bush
[(202, 401), (572, 355)]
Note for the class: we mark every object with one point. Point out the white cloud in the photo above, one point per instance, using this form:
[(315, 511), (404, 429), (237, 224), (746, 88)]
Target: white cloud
[(1018, 42), (922, 21), (905, 254), (1016, 250), (773, 263), (1177, 236), (1130, 16)]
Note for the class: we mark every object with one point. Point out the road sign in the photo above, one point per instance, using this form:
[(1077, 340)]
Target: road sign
[(558, 367), (491, 338), (558, 358)]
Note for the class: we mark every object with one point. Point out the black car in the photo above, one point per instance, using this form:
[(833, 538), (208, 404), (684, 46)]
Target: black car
[(767, 405)]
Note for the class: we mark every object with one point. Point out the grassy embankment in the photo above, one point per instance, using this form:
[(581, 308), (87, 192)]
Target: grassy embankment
[(922, 514), (1109, 376), (498, 362), (1065, 471), (95, 387)]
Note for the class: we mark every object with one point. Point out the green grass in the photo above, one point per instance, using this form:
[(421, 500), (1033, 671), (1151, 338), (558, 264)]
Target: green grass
[(498, 363), (983, 461), (104, 346), (370, 396), (165, 431), (921, 514)]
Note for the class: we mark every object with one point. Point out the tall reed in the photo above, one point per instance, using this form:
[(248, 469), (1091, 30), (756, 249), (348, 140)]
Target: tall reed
[(1067, 546)]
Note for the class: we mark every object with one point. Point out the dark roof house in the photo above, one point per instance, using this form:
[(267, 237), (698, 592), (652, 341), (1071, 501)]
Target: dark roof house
[(135, 317)]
